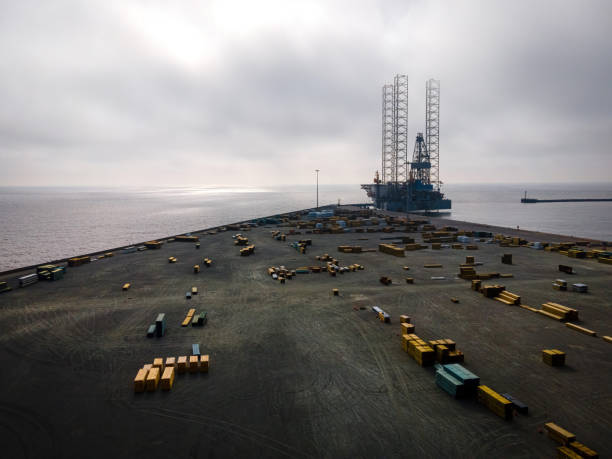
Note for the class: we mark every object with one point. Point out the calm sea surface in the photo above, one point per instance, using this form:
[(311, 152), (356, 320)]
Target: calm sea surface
[(42, 224)]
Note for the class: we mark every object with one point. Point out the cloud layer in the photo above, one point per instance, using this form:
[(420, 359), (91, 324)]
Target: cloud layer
[(255, 93)]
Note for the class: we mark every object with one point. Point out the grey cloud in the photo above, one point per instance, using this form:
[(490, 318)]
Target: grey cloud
[(86, 94)]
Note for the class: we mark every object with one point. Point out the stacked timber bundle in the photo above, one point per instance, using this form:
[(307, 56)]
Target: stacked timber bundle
[(172, 259), (327, 257), (385, 280), (413, 247), (418, 349), (78, 261), (151, 376), (153, 245), (501, 406), (349, 249), (580, 329), (207, 262), (239, 239), (558, 311), (491, 291), (188, 318), (507, 258), (553, 357), (457, 246), (467, 272), (446, 351), (186, 238), (248, 250), (508, 298), (559, 434), (476, 283), (391, 249)]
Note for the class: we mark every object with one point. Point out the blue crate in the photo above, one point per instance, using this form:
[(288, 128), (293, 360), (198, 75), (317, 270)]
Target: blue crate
[(450, 385), (518, 405), (160, 325), (462, 374)]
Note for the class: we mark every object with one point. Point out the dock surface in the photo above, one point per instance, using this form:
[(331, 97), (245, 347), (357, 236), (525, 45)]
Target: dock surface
[(294, 370)]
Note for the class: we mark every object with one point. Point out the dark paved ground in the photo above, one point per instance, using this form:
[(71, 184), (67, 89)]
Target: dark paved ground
[(294, 370)]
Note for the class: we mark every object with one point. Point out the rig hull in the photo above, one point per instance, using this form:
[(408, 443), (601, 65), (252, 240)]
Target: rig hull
[(406, 197)]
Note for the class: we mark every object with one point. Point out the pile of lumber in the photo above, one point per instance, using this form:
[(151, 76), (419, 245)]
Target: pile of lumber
[(186, 238), (350, 249), (151, 376), (491, 291), (248, 250), (569, 448), (501, 406), (78, 261), (188, 318), (412, 247), (418, 349), (508, 298), (467, 272), (446, 351), (239, 239), (558, 311), (553, 357), (391, 249)]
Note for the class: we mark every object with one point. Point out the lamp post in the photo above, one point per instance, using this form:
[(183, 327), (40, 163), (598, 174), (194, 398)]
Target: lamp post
[(317, 171)]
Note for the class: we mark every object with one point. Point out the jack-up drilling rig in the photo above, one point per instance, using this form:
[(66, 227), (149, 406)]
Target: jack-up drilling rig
[(408, 186)]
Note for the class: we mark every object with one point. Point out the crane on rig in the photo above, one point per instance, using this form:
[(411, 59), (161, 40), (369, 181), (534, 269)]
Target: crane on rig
[(408, 186)]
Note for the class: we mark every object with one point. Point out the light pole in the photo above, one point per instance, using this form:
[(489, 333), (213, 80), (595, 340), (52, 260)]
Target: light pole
[(317, 171)]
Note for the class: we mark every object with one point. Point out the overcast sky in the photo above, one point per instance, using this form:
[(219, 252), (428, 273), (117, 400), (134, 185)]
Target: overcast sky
[(264, 92)]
